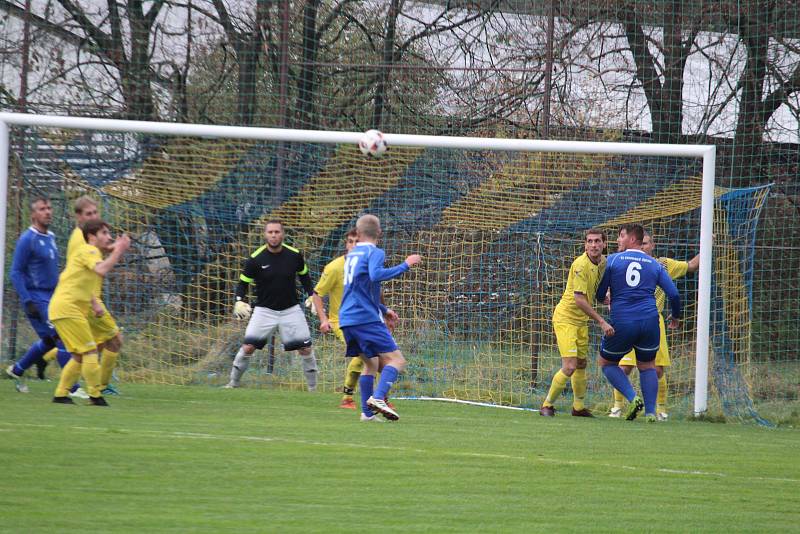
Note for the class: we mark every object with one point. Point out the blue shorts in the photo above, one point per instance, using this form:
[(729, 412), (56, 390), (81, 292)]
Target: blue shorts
[(643, 335), (368, 339), (41, 325)]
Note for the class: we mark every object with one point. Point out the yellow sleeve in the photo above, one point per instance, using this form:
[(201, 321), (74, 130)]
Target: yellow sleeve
[(327, 281), (675, 269)]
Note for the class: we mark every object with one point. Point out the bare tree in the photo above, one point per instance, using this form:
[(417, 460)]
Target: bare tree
[(122, 37)]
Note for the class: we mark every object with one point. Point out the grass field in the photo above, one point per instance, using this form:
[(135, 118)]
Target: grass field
[(199, 459)]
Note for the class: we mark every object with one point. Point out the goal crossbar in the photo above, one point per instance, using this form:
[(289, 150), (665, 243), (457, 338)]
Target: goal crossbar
[(706, 152)]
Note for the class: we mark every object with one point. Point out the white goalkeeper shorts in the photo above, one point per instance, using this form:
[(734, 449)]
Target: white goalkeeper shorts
[(291, 322)]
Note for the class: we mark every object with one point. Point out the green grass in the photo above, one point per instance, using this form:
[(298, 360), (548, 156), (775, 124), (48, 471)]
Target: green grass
[(200, 459)]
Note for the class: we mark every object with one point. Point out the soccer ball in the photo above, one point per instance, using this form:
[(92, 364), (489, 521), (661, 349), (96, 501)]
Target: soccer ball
[(372, 143)]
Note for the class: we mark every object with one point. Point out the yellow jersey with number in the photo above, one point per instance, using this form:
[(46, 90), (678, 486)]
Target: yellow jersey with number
[(331, 283), (76, 240), (73, 295), (584, 277), (675, 269)]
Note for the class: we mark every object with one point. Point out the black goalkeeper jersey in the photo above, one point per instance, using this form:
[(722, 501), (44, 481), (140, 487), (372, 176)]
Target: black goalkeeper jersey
[(274, 277)]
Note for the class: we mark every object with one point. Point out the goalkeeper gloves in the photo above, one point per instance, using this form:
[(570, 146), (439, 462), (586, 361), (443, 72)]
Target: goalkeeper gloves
[(242, 310), (310, 304)]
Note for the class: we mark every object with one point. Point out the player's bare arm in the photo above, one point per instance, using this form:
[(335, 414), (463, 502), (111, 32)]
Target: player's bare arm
[(120, 246), (694, 264), (324, 323), (583, 303)]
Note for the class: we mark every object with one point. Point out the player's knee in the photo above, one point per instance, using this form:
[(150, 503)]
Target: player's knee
[(568, 365), (581, 363), (114, 344), (248, 349), (645, 365), (660, 370), (396, 360)]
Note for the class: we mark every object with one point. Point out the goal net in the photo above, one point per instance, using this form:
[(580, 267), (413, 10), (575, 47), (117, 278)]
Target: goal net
[(498, 230)]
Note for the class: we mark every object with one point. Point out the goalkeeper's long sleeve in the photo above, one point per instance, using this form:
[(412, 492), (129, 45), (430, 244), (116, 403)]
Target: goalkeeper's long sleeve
[(242, 290)]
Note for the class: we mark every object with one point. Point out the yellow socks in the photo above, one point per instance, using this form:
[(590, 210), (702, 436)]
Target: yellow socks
[(556, 387), (579, 383), (50, 355), (69, 375), (661, 400), (351, 375), (90, 369), (107, 363), (619, 399)]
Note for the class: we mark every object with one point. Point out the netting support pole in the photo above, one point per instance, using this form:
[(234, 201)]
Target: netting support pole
[(704, 288), (5, 149)]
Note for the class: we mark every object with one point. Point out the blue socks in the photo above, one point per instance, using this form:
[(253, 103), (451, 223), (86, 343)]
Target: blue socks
[(62, 356), (34, 353), (388, 378), (365, 385), (619, 380), (649, 382)]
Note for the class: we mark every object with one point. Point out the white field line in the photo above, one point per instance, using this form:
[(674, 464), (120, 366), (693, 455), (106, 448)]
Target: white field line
[(337, 444)]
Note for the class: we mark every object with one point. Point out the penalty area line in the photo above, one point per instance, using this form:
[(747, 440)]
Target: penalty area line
[(470, 403)]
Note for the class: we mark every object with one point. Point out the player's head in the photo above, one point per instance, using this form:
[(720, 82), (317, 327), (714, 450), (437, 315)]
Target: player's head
[(273, 231), (647, 243), (630, 236), (86, 209), (350, 239), (594, 242), (368, 228), (41, 212), (97, 232)]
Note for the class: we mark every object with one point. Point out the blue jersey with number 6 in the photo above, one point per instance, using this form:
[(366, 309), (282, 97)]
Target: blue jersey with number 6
[(363, 274), (633, 276)]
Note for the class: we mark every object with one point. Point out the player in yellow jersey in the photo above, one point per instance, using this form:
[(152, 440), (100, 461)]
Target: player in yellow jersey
[(106, 333), (331, 284), (72, 303), (570, 322), (676, 269)]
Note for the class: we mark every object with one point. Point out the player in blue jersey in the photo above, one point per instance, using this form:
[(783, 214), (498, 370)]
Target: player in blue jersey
[(632, 277), (34, 275), (361, 318)]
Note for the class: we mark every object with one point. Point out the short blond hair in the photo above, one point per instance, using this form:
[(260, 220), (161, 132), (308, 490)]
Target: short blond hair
[(81, 203), (369, 226)]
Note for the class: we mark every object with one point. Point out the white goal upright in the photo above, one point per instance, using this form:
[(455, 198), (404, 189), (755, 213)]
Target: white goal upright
[(497, 220)]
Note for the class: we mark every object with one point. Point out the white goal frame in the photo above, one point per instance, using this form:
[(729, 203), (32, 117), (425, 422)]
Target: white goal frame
[(706, 152)]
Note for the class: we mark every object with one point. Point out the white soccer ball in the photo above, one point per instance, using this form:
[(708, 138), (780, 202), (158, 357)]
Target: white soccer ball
[(372, 143)]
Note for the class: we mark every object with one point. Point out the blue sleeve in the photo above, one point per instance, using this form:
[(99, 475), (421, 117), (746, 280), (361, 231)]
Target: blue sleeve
[(666, 283), (602, 288), (378, 273), (18, 265), (383, 308)]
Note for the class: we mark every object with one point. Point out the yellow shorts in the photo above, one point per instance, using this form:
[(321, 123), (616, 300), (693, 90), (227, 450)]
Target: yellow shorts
[(75, 334), (103, 327), (573, 341), (336, 331), (662, 356)]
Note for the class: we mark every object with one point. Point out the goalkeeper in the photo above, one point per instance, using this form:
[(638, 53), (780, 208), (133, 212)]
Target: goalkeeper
[(274, 268), (675, 269)]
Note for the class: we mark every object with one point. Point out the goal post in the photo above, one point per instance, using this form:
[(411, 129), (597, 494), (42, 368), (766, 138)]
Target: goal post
[(706, 153)]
